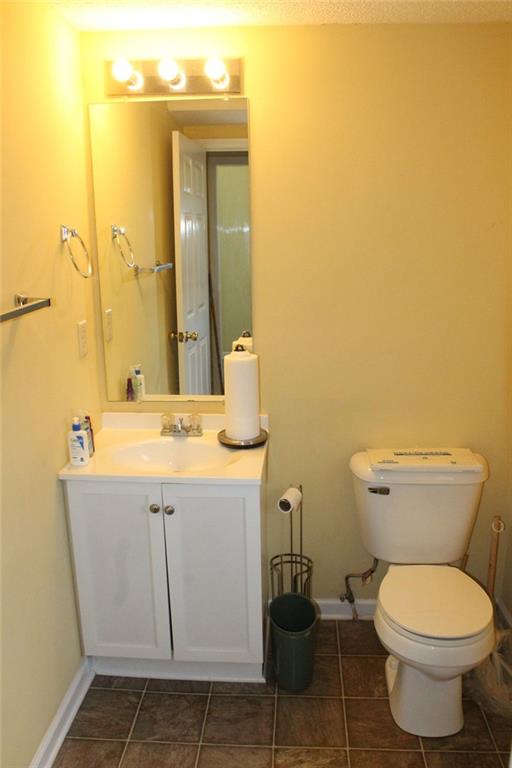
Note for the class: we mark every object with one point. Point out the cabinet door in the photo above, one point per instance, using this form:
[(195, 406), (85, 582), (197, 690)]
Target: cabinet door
[(119, 558), (213, 540)]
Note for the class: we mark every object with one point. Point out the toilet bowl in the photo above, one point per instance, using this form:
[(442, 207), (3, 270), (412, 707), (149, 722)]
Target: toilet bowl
[(437, 623)]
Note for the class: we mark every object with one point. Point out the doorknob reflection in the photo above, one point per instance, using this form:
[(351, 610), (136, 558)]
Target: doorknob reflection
[(183, 336)]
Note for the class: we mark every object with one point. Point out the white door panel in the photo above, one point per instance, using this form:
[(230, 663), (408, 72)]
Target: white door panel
[(191, 256)]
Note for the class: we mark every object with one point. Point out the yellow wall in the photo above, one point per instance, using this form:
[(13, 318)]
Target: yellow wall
[(381, 186), (44, 381)]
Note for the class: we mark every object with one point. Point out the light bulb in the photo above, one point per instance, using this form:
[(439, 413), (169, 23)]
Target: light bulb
[(122, 70), (216, 70), (168, 70), (136, 81)]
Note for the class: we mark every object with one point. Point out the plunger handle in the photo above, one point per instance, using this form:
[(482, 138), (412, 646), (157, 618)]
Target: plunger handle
[(497, 527)]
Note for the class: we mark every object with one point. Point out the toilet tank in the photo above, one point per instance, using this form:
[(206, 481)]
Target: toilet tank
[(417, 505)]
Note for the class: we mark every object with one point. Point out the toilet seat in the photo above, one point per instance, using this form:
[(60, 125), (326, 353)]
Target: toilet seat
[(435, 604)]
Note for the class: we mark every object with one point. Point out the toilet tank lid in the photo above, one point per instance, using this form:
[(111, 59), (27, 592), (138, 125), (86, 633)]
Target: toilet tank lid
[(424, 459), (406, 466)]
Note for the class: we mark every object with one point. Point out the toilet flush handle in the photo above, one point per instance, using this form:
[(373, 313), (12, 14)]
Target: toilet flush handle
[(380, 489)]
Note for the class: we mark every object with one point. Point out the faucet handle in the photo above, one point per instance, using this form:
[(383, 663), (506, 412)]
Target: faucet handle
[(166, 421), (196, 427)]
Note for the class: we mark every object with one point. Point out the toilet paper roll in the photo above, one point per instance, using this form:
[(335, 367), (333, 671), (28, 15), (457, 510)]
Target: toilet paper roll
[(241, 395), (289, 501)]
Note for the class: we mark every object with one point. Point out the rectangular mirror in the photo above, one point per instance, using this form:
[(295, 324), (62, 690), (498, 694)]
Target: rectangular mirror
[(171, 195)]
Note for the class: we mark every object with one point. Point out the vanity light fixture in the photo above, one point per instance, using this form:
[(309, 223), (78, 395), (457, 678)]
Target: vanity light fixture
[(168, 76), (170, 72), (216, 70)]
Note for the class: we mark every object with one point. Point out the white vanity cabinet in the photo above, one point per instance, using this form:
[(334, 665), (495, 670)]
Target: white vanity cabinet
[(168, 571)]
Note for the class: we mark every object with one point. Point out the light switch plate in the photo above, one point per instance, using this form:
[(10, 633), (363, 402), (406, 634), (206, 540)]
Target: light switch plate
[(82, 338), (108, 327)]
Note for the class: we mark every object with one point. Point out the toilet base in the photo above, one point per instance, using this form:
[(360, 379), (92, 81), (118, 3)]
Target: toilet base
[(422, 705)]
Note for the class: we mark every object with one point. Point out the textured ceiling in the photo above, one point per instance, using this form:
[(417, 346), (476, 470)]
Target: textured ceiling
[(123, 14)]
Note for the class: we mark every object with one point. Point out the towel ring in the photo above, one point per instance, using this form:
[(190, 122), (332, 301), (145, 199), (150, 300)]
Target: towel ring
[(66, 235), (117, 234)]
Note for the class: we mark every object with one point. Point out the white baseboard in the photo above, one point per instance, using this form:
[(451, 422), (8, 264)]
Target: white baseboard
[(504, 611), (56, 733), (335, 609)]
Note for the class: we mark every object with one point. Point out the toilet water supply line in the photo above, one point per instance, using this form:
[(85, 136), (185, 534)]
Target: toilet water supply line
[(366, 577)]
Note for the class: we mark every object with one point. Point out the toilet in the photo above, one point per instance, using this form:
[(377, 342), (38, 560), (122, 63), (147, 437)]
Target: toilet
[(417, 509)]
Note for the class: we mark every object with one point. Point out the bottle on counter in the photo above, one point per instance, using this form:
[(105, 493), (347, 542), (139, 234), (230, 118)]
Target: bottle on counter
[(92, 447), (138, 382), (130, 394), (78, 444), (86, 425)]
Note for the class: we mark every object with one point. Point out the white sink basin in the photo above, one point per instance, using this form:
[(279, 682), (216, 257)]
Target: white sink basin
[(180, 454)]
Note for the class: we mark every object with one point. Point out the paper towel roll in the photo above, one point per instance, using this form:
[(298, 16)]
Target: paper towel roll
[(242, 396), (290, 500)]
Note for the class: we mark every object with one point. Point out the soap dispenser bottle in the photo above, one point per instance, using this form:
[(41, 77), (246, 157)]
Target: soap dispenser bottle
[(138, 382), (78, 444)]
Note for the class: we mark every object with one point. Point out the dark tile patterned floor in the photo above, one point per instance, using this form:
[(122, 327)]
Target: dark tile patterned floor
[(341, 721)]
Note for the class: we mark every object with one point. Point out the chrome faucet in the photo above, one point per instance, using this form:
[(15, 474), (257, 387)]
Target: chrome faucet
[(184, 425)]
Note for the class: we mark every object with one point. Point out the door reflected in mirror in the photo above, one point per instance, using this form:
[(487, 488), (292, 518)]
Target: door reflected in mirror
[(171, 194)]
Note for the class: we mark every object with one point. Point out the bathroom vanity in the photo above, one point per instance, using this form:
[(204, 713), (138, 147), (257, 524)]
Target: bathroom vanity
[(167, 543)]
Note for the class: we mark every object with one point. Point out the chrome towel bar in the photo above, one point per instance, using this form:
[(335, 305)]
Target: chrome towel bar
[(153, 270), (23, 305)]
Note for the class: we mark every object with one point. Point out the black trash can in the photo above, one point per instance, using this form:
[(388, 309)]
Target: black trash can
[(293, 620)]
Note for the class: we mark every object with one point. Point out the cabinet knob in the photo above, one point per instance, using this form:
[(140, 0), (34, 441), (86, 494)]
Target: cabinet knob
[(169, 510), (154, 508)]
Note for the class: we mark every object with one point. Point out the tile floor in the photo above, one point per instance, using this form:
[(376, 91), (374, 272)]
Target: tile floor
[(341, 721)]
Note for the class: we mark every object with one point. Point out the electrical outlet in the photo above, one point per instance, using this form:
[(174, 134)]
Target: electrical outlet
[(108, 328), (82, 338)]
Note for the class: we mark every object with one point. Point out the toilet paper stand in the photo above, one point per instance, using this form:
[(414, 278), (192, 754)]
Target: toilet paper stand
[(252, 442), (289, 572), (292, 571)]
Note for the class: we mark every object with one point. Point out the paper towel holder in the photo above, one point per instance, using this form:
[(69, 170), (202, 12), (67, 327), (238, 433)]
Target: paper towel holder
[(252, 442)]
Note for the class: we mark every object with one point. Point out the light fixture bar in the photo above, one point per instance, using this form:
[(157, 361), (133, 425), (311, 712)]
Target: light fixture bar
[(196, 81)]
